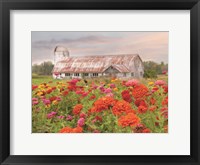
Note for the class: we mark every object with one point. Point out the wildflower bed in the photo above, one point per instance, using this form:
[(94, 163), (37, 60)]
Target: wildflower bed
[(99, 106)]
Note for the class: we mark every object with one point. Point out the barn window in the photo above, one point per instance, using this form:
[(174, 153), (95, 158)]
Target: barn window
[(67, 74), (132, 74), (85, 74), (95, 74), (76, 74), (124, 74)]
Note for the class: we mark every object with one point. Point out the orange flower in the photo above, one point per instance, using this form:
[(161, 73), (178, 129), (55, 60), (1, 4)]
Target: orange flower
[(129, 120), (140, 91), (121, 107), (71, 130), (77, 130), (65, 130), (153, 108), (103, 103), (77, 109)]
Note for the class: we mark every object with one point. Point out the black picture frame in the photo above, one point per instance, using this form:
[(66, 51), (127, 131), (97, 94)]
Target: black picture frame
[(7, 5)]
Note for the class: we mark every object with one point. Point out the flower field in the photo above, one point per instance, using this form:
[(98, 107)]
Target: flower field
[(99, 106)]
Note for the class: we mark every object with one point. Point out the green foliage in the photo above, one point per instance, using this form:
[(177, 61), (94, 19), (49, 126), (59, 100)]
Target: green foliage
[(44, 68), (152, 69), (150, 74)]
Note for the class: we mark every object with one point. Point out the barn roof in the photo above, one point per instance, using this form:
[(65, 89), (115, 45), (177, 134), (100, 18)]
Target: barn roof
[(95, 64)]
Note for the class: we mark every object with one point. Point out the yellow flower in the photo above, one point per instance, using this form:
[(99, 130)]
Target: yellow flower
[(41, 86), (151, 83), (39, 93)]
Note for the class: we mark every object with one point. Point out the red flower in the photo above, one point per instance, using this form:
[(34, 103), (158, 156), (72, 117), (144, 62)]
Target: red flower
[(99, 118), (146, 130), (142, 109), (165, 101), (92, 97), (164, 112), (126, 96), (82, 115), (52, 98), (65, 93), (152, 101), (34, 87), (165, 87)]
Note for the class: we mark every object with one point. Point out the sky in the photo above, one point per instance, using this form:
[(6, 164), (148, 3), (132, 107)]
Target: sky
[(151, 46)]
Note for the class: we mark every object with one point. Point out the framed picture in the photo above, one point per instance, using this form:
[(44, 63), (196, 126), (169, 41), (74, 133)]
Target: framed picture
[(99, 82)]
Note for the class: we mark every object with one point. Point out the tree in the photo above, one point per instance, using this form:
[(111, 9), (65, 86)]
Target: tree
[(152, 69), (44, 68)]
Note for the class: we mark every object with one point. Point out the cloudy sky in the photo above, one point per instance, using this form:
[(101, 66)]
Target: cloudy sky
[(149, 45)]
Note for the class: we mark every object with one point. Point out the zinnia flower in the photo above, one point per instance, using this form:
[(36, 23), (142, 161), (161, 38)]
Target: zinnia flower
[(126, 96), (131, 83), (140, 91), (103, 103), (77, 109), (81, 122), (142, 109), (51, 114), (129, 120), (69, 118), (121, 107), (160, 82), (107, 90)]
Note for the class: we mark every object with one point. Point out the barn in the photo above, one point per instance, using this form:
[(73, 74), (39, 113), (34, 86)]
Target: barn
[(120, 66)]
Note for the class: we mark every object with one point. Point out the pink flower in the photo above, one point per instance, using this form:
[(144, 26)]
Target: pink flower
[(61, 117), (81, 122), (94, 120), (132, 82), (110, 95), (69, 118), (84, 94), (58, 98), (112, 85), (46, 101), (160, 82), (96, 131), (34, 99), (35, 102), (164, 72), (102, 88), (79, 92), (51, 114), (108, 90)]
